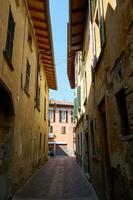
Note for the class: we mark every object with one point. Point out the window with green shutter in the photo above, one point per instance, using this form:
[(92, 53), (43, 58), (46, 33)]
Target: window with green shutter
[(10, 36), (79, 97), (27, 78), (101, 22), (38, 97), (75, 113)]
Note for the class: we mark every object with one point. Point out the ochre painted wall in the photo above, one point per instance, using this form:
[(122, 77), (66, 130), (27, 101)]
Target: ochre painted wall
[(29, 122)]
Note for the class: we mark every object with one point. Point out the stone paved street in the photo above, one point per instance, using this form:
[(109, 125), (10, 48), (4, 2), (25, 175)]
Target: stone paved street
[(60, 179)]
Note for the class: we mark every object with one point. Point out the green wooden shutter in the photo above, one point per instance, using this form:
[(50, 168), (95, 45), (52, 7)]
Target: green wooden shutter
[(75, 109), (79, 97), (101, 22), (10, 36)]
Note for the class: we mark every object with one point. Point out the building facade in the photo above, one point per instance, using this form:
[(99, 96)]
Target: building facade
[(26, 74), (61, 128), (102, 31)]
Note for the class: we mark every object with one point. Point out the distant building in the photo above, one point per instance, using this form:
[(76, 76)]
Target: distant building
[(26, 74), (61, 127)]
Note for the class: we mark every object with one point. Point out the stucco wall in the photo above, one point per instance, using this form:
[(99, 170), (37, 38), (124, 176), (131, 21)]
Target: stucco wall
[(108, 82), (28, 121)]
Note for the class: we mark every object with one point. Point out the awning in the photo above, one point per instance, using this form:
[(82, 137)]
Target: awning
[(77, 18), (39, 11)]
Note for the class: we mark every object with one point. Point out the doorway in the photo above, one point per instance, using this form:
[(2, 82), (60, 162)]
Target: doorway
[(6, 117), (86, 165), (107, 178)]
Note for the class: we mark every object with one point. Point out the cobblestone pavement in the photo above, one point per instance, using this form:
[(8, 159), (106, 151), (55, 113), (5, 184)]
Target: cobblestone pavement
[(59, 179)]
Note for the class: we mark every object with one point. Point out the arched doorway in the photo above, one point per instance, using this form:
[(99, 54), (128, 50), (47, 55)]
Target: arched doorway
[(6, 122)]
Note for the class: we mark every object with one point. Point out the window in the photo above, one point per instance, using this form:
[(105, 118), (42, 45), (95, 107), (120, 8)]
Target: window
[(37, 88), (63, 116), (75, 114), (63, 130), (79, 97), (29, 40), (52, 115), (50, 129), (38, 98), (27, 79), (40, 143), (66, 116), (10, 36), (101, 22), (45, 109), (71, 116), (122, 107), (99, 30)]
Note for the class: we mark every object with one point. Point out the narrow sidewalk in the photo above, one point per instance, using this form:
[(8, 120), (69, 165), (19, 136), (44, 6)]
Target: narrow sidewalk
[(60, 179)]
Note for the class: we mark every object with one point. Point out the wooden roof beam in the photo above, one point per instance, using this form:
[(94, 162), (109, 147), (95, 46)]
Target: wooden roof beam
[(76, 34), (42, 42), (32, 8), (77, 23), (38, 19), (78, 10), (46, 52), (37, 27), (43, 47), (42, 36)]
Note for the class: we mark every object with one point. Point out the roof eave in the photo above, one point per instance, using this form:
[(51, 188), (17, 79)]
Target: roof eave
[(77, 45), (51, 39)]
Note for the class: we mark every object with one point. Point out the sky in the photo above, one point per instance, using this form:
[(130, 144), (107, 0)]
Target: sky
[(59, 19)]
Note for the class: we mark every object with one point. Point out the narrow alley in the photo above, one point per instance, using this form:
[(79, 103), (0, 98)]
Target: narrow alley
[(61, 178), (66, 92)]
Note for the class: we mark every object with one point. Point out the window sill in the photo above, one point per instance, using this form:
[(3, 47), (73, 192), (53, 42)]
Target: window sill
[(26, 92), (8, 60), (126, 138)]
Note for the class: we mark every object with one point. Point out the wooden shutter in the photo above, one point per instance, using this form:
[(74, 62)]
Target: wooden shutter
[(10, 36), (101, 22), (66, 116), (75, 108), (27, 79), (79, 96)]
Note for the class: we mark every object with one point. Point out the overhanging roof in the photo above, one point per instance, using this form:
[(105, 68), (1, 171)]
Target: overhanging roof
[(39, 11), (77, 16)]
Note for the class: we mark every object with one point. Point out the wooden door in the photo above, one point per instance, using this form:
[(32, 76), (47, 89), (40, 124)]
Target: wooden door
[(5, 141), (108, 187)]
